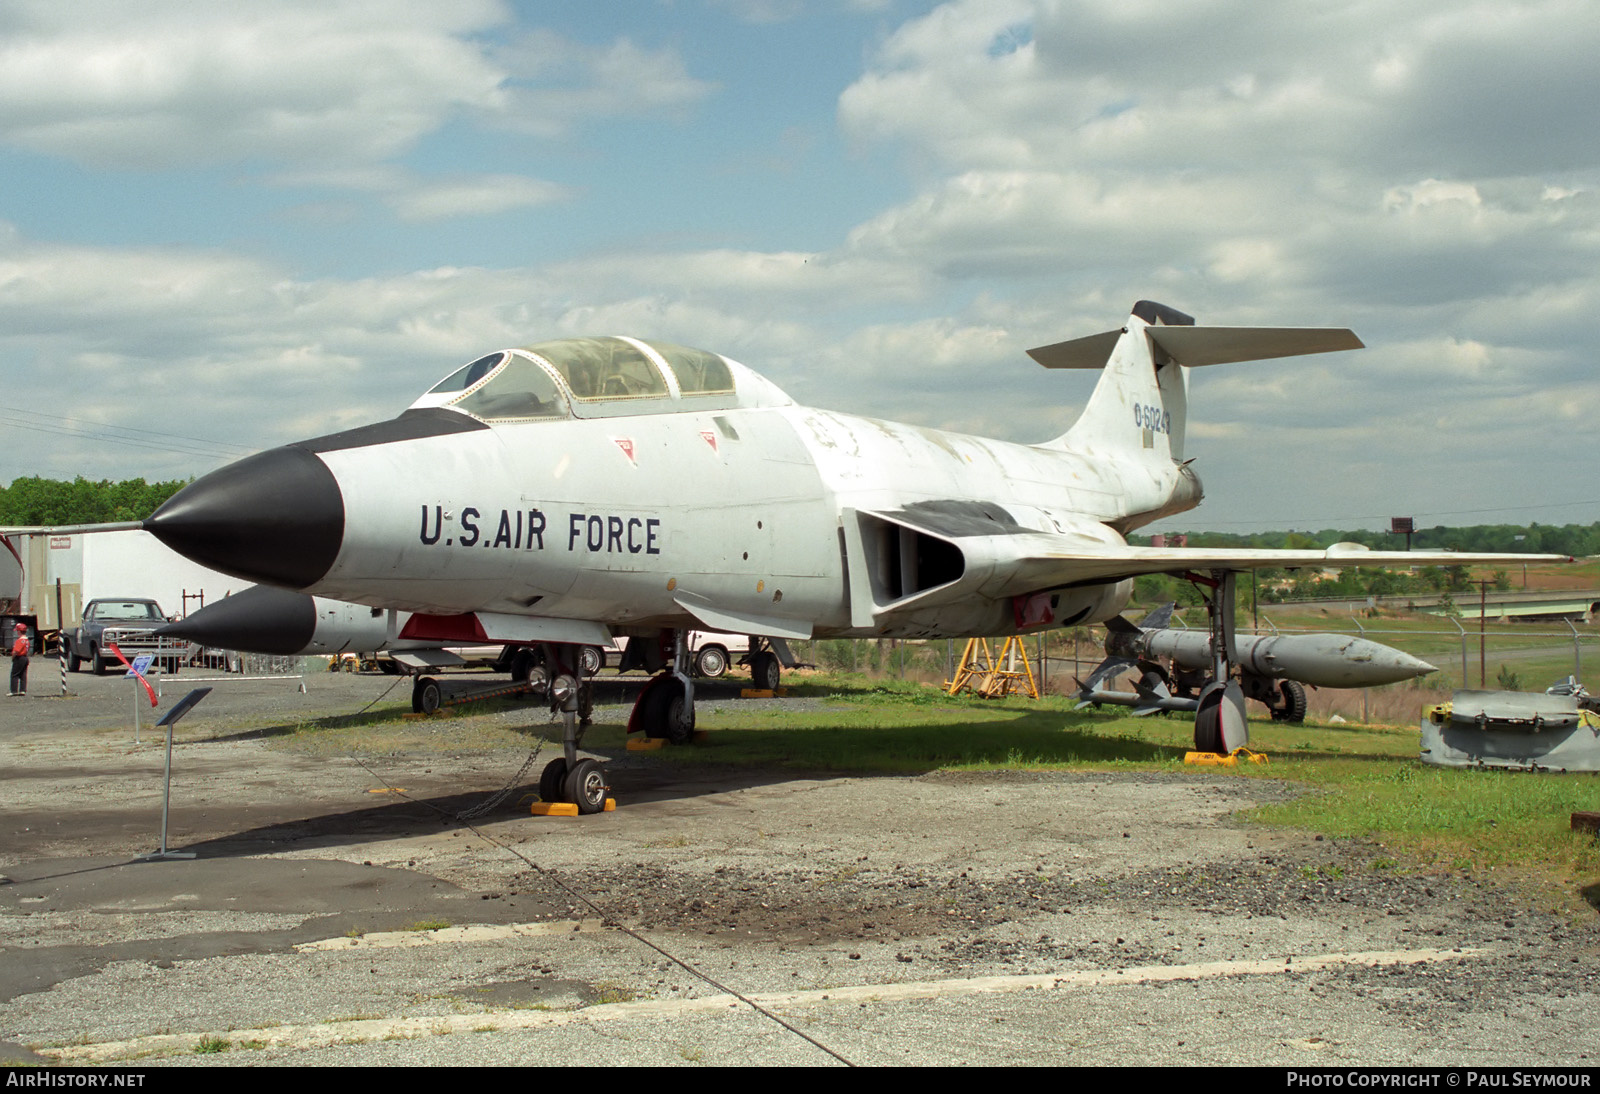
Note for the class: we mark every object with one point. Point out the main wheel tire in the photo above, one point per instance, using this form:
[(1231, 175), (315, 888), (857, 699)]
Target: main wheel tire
[(680, 720), (426, 695), (1208, 731), (97, 663), (664, 714), (586, 787), (74, 662), (553, 780), (591, 659), (711, 662), (765, 672)]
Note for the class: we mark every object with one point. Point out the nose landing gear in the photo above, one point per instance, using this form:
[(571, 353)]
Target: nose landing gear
[(567, 781)]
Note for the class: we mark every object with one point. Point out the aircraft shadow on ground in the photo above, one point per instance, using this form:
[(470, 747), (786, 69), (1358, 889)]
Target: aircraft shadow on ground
[(742, 757)]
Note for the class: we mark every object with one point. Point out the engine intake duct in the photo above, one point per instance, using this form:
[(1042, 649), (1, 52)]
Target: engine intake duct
[(893, 564)]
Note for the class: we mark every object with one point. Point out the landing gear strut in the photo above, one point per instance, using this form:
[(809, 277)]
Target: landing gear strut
[(1219, 721)]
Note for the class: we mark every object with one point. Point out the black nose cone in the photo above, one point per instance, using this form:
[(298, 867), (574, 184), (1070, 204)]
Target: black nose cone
[(260, 619), (276, 517)]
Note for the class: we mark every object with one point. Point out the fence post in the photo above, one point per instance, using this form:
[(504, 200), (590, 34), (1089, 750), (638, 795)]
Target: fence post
[(1463, 632)]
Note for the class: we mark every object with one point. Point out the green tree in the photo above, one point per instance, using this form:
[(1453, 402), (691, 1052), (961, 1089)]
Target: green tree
[(33, 500)]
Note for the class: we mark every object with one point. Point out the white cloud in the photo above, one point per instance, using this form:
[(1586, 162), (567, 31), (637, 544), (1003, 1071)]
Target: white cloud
[(153, 84), (555, 83), (329, 82), (481, 196)]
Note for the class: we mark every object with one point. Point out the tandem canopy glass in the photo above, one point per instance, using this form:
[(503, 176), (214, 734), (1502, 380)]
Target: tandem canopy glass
[(615, 375)]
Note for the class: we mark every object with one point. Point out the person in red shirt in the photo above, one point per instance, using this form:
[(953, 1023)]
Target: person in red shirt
[(19, 662)]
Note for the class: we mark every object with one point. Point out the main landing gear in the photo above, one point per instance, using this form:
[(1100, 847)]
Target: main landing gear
[(665, 708), (1219, 721)]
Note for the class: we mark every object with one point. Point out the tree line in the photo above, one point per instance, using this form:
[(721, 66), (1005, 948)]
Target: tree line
[(1565, 539), (1276, 585), (33, 500)]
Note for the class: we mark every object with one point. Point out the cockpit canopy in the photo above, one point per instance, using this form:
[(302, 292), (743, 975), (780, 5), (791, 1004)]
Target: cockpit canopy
[(598, 378)]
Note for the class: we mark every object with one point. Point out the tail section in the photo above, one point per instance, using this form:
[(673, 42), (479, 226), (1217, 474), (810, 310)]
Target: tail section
[(1141, 402)]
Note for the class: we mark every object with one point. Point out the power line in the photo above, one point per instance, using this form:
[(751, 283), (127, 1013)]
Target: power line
[(130, 436)]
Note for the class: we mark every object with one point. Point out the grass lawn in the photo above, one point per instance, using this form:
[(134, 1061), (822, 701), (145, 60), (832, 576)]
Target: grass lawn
[(1368, 780)]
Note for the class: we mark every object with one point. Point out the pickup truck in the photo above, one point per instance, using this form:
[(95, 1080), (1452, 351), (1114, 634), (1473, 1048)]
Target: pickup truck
[(128, 624)]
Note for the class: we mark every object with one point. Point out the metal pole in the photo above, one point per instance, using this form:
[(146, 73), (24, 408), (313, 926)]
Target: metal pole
[(1463, 632), (1483, 613), (61, 640), (134, 680)]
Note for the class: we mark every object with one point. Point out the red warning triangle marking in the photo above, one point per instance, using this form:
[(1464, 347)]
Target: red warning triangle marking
[(626, 444), (711, 438)]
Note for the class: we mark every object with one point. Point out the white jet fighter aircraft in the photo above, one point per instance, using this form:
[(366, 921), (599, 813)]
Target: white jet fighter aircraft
[(558, 494)]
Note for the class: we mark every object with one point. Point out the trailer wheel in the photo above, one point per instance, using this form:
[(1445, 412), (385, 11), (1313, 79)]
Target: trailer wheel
[(426, 695), (1293, 710)]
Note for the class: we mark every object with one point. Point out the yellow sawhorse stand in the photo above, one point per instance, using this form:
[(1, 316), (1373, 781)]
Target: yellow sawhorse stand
[(991, 677)]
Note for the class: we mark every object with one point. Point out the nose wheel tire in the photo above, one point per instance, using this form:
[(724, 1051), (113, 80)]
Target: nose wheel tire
[(586, 787), (553, 781)]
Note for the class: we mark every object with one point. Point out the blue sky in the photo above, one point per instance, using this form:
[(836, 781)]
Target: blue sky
[(225, 227)]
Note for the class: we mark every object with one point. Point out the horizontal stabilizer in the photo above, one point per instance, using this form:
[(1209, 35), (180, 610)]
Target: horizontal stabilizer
[(1195, 346)]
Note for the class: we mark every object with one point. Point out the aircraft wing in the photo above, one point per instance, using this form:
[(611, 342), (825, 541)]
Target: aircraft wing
[(936, 555), (1045, 561)]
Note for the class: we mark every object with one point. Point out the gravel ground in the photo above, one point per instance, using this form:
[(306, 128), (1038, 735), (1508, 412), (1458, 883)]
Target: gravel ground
[(718, 916)]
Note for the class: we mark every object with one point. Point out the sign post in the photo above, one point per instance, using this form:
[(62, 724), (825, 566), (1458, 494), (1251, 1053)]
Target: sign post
[(186, 704)]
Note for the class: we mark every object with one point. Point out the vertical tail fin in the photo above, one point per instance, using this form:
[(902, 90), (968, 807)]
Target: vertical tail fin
[(1141, 403)]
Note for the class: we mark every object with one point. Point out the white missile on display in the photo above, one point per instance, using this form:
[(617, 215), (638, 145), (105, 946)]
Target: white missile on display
[(1321, 660), (1272, 668), (573, 491)]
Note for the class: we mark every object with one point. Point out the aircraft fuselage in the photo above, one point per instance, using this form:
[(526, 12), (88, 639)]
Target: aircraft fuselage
[(616, 520)]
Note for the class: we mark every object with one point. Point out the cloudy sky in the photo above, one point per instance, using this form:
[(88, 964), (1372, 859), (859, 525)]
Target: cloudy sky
[(228, 226)]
